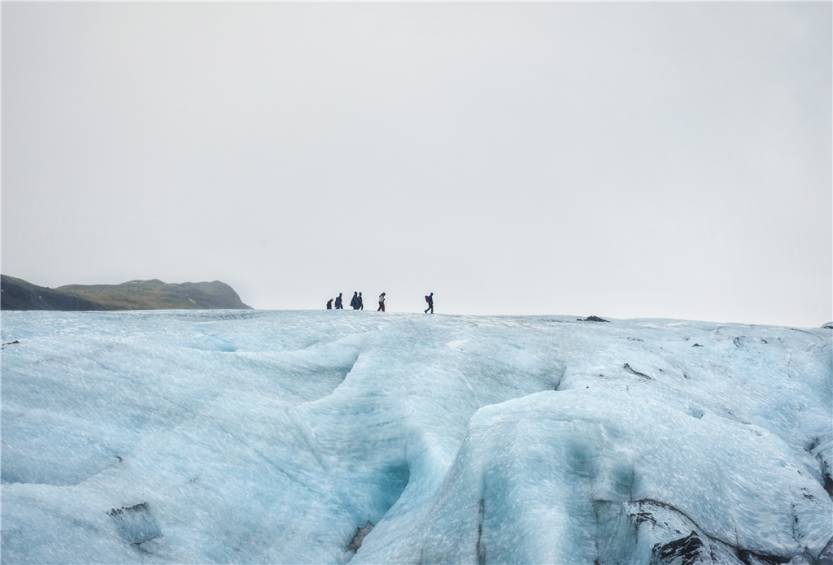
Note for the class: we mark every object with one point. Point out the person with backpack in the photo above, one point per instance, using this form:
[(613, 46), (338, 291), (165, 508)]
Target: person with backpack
[(354, 302), (330, 304), (360, 302), (381, 307), (339, 305), (430, 300)]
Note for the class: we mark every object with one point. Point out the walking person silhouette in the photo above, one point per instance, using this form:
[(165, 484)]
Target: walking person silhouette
[(381, 307), (430, 300)]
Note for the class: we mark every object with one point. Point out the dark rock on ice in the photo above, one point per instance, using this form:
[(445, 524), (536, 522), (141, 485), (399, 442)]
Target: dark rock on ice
[(481, 547), (683, 551), (135, 524), (358, 537), (592, 319), (633, 371), (752, 558)]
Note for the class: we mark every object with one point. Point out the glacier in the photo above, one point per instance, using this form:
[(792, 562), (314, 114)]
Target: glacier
[(335, 437)]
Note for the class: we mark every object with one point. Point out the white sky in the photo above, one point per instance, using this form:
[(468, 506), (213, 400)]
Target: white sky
[(626, 160)]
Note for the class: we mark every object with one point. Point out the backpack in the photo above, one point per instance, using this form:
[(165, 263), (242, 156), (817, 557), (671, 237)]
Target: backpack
[(427, 298)]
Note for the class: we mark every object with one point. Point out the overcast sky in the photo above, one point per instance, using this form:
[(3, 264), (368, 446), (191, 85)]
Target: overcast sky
[(628, 160)]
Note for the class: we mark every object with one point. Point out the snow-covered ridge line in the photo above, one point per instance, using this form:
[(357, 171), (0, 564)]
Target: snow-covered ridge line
[(327, 437)]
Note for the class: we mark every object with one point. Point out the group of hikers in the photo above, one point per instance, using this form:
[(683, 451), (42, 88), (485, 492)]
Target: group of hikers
[(357, 302)]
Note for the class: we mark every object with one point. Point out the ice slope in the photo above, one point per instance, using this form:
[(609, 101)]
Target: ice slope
[(328, 437)]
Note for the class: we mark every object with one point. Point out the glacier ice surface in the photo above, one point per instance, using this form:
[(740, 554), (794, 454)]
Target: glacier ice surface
[(328, 437)]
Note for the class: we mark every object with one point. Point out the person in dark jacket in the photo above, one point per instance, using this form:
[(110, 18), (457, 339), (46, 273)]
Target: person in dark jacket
[(381, 307), (361, 302), (430, 300), (354, 302), (330, 304), (339, 305)]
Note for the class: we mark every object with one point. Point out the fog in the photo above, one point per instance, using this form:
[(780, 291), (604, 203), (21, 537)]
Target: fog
[(627, 160)]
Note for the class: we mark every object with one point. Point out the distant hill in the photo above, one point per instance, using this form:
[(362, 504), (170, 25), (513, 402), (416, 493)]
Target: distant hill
[(18, 294)]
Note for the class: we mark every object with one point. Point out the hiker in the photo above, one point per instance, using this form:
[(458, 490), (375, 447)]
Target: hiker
[(430, 300), (330, 304), (354, 302), (381, 307), (339, 305), (361, 302)]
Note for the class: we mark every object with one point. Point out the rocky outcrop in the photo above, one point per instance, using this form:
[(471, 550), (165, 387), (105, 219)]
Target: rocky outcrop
[(18, 294), (592, 319)]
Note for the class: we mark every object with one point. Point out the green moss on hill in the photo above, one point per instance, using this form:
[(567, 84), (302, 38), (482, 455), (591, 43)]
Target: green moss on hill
[(18, 294)]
